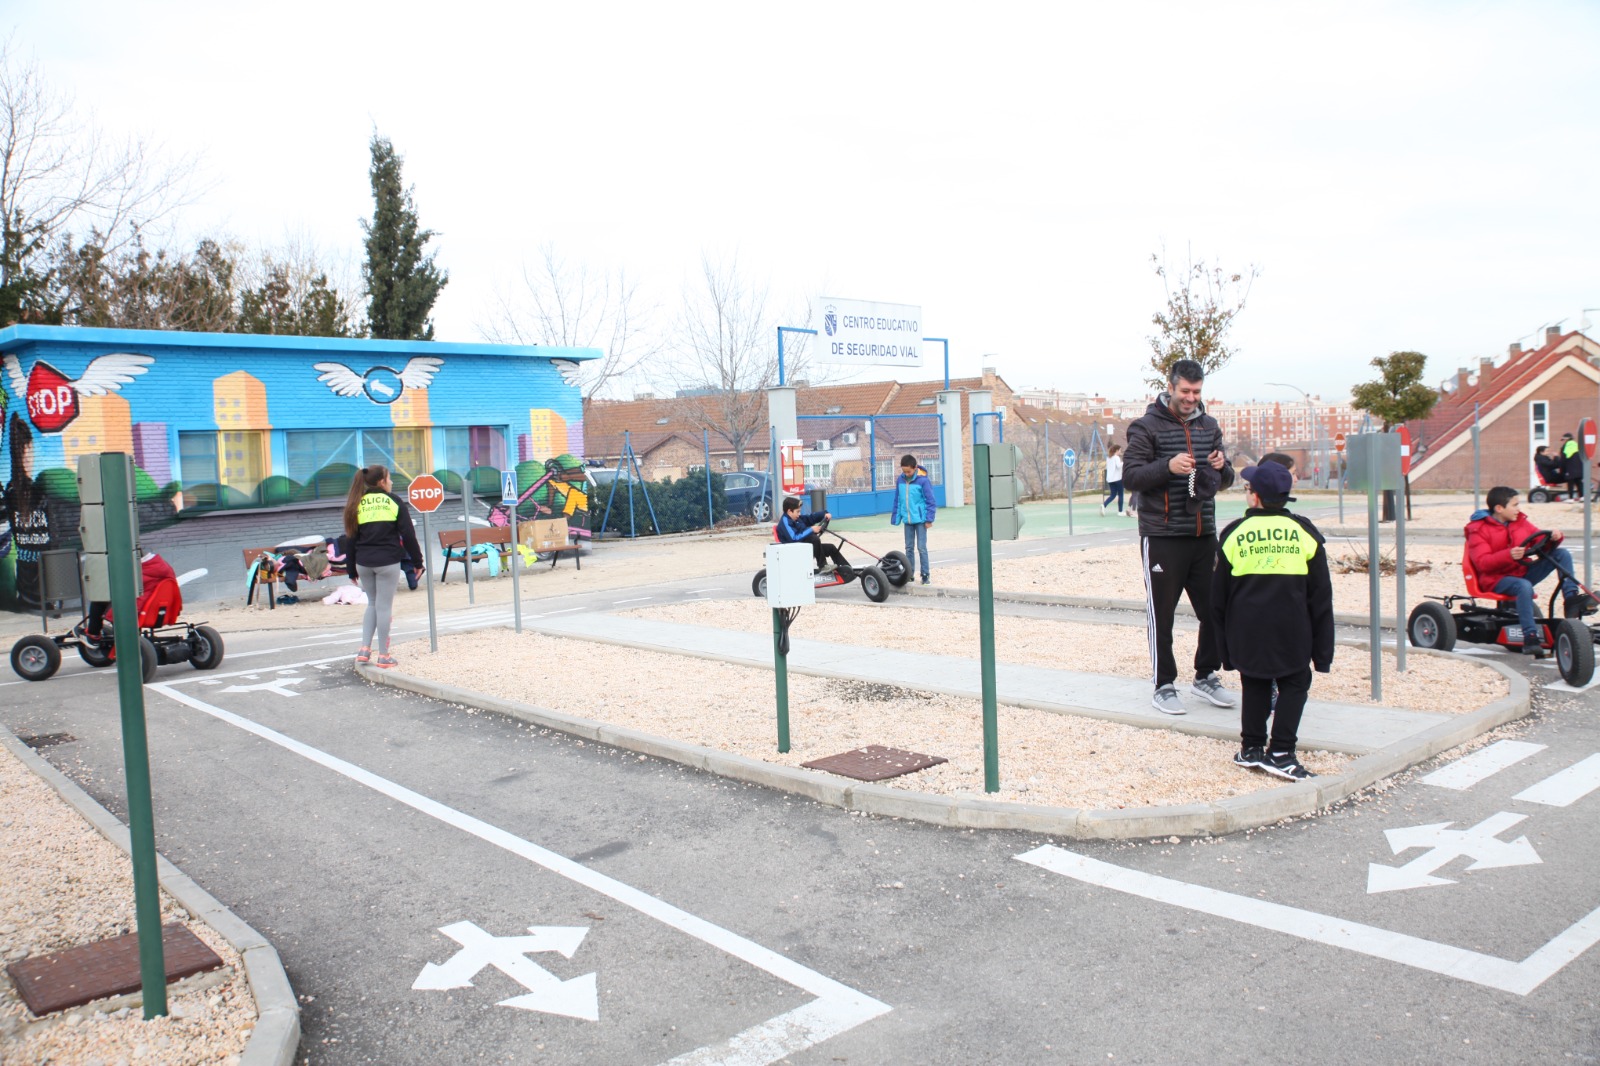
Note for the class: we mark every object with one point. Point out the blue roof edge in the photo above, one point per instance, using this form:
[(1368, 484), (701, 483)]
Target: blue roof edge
[(16, 338)]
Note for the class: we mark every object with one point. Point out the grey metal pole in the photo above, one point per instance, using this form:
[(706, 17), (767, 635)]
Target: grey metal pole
[(1477, 464), (1588, 522), (1374, 593), (466, 522), (516, 573), (1400, 587), (427, 574)]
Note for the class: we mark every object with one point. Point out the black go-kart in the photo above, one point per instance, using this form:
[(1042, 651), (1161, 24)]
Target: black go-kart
[(1437, 623), (889, 571), (37, 657)]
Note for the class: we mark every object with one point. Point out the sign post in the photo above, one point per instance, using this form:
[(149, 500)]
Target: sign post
[(1586, 446), (466, 530), (1338, 443), (1070, 458), (508, 500), (426, 494), (1400, 515), (1375, 466)]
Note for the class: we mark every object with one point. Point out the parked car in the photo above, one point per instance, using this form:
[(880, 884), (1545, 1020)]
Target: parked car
[(749, 492)]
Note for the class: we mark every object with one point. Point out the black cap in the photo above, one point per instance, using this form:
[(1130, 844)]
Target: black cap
[(1271, 481)]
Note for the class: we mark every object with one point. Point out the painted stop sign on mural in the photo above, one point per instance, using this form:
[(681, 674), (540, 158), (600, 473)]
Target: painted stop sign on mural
[(426, 494), (52, 400)]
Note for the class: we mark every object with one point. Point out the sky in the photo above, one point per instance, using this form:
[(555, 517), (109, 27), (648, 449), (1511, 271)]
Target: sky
[(1405, 176)]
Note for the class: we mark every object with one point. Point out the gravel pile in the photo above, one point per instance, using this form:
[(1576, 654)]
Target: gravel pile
[(66, 885)]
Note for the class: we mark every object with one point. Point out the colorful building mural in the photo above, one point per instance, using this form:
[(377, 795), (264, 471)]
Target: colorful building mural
[(235, 422)]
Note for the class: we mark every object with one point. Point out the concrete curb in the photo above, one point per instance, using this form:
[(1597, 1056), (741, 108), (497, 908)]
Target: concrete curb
[(276, 1036), (970, 812), (1104, 603)]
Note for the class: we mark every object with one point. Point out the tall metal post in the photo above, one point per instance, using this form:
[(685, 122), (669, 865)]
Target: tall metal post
[(120, 548), (780, 670), (991, 717), (516, 572), (705, 442), (466, 523), (1477, 465), (427, 575), (1374, 592), (1400, 588), (1588, 521)]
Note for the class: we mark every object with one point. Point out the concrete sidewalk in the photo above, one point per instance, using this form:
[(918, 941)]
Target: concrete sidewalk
[(1340, 727)]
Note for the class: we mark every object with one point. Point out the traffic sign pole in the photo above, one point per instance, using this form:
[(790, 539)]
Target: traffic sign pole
[(426, 494), (466, 530), (1070, 457), (1586, 448), (508, 498), (427, 575), (1339, 444)]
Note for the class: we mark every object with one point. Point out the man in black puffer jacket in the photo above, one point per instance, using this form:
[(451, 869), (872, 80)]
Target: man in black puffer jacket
[(1177, 463)]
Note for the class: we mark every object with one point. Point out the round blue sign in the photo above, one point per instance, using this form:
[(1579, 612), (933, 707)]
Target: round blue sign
[(382, 385), (1070, 457)]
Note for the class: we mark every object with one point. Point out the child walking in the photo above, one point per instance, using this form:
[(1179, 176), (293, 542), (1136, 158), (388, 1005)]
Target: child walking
[(1113, 479), (378, 528), (914, 509)]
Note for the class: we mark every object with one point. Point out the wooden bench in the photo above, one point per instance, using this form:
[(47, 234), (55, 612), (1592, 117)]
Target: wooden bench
[(453, 544), (269, 577)]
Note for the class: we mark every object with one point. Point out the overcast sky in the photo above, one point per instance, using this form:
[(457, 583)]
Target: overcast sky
[(1406, 176)]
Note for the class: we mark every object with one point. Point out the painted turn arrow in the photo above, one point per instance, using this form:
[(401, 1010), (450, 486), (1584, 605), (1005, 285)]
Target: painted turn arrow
[(276, 685), (547, 993), (1444, 845)]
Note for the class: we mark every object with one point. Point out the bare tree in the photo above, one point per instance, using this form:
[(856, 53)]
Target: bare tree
[(59, 173), (576, 306), (1202, 303), (726, 356)]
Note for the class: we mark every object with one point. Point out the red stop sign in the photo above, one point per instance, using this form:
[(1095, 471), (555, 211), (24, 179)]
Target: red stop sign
[(1586, 434), (52, 401), (1405, 452), (426, 494)]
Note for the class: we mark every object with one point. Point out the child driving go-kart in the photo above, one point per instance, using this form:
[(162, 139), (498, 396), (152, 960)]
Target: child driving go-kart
[(795, 527), (1499, 544)]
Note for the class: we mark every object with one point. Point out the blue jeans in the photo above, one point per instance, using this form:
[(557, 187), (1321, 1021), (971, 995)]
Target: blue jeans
[(1522, 587), (917, 540), (1114, 492)]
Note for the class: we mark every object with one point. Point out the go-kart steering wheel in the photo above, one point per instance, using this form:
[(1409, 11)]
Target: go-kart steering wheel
[(1539, 543), (822, 527)]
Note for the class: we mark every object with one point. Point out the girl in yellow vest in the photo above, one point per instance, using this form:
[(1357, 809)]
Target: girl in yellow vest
[(377, 525)]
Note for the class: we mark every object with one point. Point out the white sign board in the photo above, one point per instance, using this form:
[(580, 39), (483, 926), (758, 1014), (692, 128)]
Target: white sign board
[(864, 333)]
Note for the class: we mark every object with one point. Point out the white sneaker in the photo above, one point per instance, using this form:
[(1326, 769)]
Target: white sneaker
[(1210, 688), (1166, 701)]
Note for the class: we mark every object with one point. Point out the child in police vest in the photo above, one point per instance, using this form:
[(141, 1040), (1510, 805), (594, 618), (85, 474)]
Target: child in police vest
[(1272, 604)]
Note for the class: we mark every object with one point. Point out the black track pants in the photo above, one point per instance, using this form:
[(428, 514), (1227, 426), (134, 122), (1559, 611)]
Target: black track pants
[(1174, 566), (1256, 704)]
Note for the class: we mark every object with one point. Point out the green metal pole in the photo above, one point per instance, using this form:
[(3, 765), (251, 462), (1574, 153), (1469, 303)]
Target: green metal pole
[(1374, 606), (991, 717), (117, 492), (780, 663)]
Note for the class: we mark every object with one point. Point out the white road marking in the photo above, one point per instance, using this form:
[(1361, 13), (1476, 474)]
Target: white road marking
[(837, 1008), (275, 686), (1562, 686), (1519, 978), (1445, 845), (1567, 787), (1469, 770), (636, 599), (692, 592), (547, 993), (566, 610)]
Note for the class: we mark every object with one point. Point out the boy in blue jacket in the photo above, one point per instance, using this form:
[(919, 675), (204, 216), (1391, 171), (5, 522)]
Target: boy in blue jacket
[(797, 528), (914, 509)]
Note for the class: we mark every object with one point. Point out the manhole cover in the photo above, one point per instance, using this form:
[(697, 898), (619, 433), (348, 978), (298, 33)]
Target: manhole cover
[(874, 763), (75, 976), (46, 740)]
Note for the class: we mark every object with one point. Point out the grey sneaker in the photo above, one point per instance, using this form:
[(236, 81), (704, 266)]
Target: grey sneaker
[(1210, 688), (1166, 701)]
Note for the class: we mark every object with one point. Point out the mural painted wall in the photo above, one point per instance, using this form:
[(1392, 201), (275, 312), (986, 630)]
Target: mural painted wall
[(235, 422)]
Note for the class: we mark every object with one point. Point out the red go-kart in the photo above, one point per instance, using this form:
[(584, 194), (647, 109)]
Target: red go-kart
[(1436, 623), (162, 640)]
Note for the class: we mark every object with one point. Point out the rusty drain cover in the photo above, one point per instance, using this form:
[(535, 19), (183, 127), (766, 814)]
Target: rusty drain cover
[(75, 976), (45, 740), (874, 763)]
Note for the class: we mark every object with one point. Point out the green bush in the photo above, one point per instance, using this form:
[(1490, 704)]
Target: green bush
[(679, 505)]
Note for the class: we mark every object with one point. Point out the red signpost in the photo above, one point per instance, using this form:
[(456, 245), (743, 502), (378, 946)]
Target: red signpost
[(426, 494)]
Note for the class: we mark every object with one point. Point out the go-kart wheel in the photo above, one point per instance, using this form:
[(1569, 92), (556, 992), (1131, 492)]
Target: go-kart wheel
[(1574, 652), (874, 584), (1538, 496), (1539, 543), (1431, 625), (759, 585), (148, 659), (761, 510), (35, 657), (97, 656), (896, 567), (205, 648)]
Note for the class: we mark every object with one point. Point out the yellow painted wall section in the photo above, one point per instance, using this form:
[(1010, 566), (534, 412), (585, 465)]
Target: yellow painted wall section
[(103, 424), (547, 433)]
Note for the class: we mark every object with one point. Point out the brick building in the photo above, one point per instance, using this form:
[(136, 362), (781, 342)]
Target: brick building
[(1527, 399)]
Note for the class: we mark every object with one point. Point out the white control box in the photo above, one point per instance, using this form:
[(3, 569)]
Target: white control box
[(789, 576)]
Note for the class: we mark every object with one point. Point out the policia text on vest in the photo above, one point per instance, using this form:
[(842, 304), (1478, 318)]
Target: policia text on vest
[(1269, 544)]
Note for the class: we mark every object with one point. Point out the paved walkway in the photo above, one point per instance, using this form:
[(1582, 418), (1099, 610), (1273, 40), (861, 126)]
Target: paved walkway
[(1340, 727)]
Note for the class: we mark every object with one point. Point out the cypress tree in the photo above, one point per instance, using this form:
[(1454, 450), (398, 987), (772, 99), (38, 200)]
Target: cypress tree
[(402, 283)]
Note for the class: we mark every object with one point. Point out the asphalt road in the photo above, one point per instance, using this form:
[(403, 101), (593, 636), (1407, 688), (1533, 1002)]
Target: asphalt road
[(726, 923)]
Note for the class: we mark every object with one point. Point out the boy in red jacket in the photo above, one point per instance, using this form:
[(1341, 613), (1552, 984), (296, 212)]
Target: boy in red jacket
[(1494, 544)]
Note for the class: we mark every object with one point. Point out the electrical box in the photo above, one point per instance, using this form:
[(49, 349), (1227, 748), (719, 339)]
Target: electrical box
[(96, 507), (1005, 521), (790, 570)]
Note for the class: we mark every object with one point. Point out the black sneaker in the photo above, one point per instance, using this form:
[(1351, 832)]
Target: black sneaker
[(1581, 605), (1284, 764), (1535, 650), (1251, 758)]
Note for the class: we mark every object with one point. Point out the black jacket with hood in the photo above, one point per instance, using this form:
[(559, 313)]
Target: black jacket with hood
[(1171, 505)]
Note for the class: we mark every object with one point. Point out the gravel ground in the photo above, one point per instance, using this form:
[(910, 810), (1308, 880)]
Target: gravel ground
[(74, 887), (1430, 683), (1045, 758)]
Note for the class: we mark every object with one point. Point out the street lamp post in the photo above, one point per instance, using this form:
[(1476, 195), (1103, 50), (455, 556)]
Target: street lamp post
[(1314, 430)]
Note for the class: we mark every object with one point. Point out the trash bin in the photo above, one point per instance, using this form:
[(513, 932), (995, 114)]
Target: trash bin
[(819, 500)]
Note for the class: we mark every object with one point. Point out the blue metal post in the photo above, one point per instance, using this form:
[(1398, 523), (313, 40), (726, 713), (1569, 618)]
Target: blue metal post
[(946, 343), (781, 331), (872, 458), (705, 439)]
